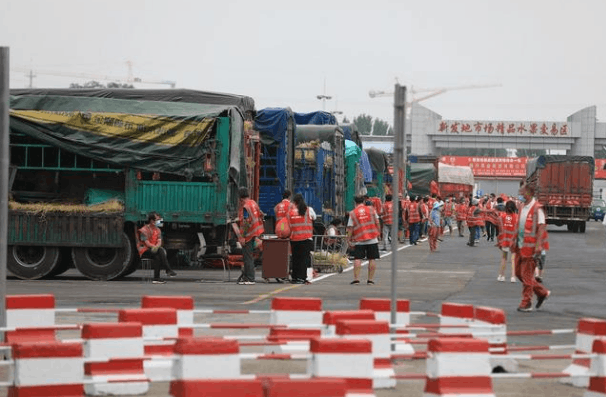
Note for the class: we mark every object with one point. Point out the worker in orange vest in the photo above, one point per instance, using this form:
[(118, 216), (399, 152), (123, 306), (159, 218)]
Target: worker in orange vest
[(387, 220), (531, 240), (250, 218), (507, 222), (461, 215), (281, 209), (363, 233), (301, 218), (149, 245)]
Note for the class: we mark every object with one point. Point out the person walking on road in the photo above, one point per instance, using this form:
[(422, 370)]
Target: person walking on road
[(507, 223), (413, 216), (250, 218), (461, 215), (149, 246), (434, 226), (474, 220), (363, 232), (301, 218), (387, 221), (531, 240)]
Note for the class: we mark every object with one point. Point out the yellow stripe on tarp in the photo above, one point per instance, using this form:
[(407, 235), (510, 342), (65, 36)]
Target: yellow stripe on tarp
[(144, 128)]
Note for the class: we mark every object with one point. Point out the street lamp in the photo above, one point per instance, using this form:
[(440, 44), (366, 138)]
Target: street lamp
[(324, 98)]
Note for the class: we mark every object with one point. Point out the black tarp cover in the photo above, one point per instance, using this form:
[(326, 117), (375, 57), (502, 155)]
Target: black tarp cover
[(322, 133), (377, 159), (144, 134), (421, 175)]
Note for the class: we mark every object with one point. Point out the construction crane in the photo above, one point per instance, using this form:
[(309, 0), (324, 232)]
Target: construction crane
[(431, 91), (129, 80)]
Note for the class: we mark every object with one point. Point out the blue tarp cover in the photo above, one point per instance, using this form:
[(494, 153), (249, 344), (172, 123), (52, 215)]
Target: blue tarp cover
[(366, 168), (272, 124), (318, 117)]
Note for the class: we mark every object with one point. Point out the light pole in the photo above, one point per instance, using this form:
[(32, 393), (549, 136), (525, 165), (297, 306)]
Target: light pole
[(323, 97)]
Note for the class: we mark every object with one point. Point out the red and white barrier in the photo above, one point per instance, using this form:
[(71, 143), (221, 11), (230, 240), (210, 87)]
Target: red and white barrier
[(286, 311), (184, 305), (588, 330), (597, 383), (48, 369), (491, 323), (330, 318), (456, 314), (278, 387), (377, 332), (382, 309), (458, 367), (157, 324), (33, 317), (117, 351), (206, 358), (348, 359), (291, 340), (217, 388)]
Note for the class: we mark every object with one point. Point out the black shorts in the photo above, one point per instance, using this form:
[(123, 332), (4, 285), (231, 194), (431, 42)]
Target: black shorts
[(366, 251)]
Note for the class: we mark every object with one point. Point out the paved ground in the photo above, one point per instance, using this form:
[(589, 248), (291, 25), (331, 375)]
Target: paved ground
[(456, 273)]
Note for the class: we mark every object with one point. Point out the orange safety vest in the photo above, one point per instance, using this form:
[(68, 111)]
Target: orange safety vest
[(413, 212), (473, 220), (301, 226), (388, 213), (253, 226), (364, 223), (492, 216), (378, 206), (281, 209), (507, 229), (448, 209), (461, 212), (151, 234), (528, 247), (424, 211)]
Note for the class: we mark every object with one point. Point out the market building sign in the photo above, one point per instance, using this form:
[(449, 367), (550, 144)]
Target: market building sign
[(514, 128)]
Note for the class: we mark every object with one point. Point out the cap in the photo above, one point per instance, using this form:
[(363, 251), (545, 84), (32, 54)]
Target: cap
[(436, 205)]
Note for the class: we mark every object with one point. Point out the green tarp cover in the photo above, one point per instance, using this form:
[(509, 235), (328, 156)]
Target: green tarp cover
[(157, 136), (377, 160), (421, 175)]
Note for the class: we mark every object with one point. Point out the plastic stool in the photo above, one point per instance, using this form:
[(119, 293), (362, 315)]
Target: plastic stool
[(147, 268)]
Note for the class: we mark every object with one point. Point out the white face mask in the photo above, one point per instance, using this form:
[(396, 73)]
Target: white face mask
[(522, 198), (159, 222)]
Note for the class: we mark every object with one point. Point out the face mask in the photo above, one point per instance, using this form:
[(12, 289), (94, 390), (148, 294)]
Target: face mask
[(159, 223), (522, 198)]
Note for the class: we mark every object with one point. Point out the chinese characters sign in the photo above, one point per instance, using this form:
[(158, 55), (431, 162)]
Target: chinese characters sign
[(504, 128)]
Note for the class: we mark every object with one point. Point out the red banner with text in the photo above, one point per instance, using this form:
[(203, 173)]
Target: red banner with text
[(505, 167)]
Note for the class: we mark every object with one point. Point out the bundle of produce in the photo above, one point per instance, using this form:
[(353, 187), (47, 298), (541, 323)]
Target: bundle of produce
[(42, 208)]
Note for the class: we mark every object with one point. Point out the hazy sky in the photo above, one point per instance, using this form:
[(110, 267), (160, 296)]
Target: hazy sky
[(548, 55)]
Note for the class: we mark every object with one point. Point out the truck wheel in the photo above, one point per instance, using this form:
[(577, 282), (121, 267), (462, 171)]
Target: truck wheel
[(65, 262), (569, 227), (102, 263), (31, 262), (582, 226)]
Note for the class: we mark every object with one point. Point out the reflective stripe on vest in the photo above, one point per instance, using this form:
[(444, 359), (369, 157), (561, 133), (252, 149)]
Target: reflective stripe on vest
[(413, 212), (473, 220), (253, 226), (530, 239), (364, 224), (507, 229), (448, 209), (461, 212), (301, 226), (281, 209), (388, 213)]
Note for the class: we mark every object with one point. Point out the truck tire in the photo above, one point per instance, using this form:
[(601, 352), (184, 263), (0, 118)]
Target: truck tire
[(65, 262), (29, 262), (103, 263), (582, 226)]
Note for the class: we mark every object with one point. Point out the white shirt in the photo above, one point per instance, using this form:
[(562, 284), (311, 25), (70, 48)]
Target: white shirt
[(522, 222)]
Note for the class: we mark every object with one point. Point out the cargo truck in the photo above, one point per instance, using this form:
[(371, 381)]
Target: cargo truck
[(564, 186), (455, 180), (178, 152)]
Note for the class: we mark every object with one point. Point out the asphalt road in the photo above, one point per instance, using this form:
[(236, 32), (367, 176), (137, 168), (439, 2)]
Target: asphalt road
[(575, 274)]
